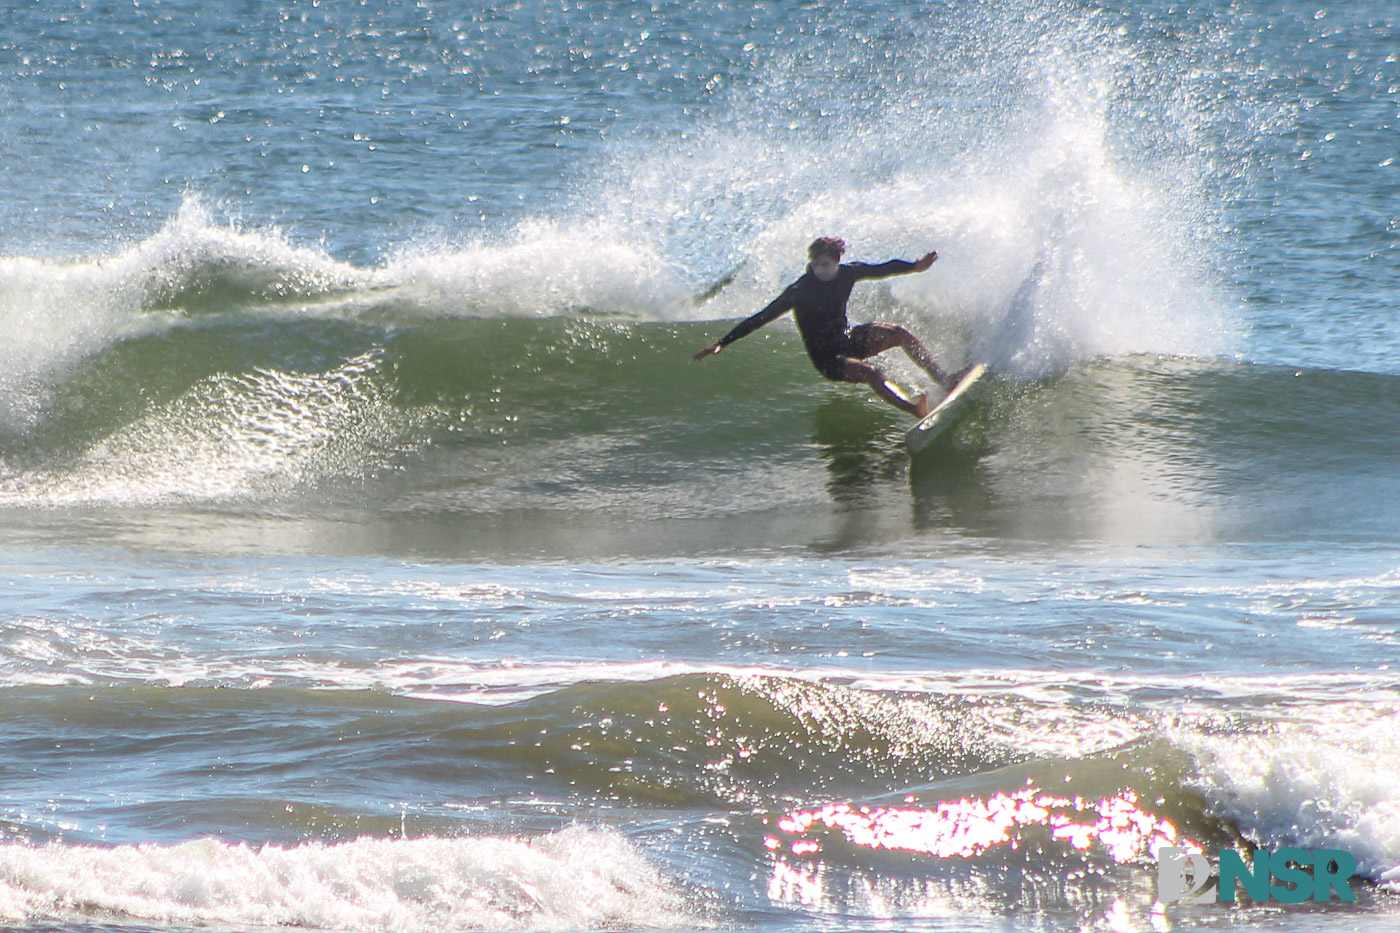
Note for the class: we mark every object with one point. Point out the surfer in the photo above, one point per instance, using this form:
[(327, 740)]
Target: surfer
[(838, 351)]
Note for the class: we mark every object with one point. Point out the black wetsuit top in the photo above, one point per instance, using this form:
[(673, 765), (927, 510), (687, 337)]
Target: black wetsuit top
[(820, 309)]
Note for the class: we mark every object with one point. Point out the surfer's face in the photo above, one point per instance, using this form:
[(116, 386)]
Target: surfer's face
[(825, 268)]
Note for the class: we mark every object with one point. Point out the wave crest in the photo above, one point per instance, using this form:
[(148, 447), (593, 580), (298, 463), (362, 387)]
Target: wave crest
[(578, 878)]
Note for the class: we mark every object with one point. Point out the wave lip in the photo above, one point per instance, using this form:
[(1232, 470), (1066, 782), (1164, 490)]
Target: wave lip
[(59, 312), (577, 878)]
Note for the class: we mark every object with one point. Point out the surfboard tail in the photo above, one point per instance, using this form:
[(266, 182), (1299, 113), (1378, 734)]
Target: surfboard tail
[(941, 418)]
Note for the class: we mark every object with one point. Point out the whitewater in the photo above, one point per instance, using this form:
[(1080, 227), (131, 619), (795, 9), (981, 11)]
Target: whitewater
[(373, 557)]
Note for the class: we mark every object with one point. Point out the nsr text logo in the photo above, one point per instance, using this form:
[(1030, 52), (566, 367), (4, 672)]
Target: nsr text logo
[(1185, 876)]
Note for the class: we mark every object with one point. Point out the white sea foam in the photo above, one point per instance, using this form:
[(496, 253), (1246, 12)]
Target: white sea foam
[(1324, 776), (541, 269), (1060, 260), (56, 312), (1069, 225), (578, 878), (53, 314), (1055, 248)]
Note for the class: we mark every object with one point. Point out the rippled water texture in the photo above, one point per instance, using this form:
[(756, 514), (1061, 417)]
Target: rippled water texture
[(373, 557)]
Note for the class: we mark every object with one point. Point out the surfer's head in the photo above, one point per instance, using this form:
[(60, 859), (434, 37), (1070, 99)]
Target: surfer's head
[(825, 254)]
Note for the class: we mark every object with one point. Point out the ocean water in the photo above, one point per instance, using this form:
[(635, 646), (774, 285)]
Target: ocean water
[(373, 557)]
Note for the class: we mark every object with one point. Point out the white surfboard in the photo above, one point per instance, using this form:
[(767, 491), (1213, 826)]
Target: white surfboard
[(946, 413)]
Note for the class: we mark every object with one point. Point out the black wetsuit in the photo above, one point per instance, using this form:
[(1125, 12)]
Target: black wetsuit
[(820, 309)]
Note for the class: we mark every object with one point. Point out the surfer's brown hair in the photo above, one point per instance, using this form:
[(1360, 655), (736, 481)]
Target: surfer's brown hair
[(832, 246)]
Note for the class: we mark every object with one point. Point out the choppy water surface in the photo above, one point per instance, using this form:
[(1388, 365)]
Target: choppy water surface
[(373, 557)]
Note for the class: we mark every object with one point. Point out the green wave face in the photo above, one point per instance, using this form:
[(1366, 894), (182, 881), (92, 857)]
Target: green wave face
[(597, 424)]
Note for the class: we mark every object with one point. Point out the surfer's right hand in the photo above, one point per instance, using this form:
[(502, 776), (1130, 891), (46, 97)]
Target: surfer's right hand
[(711, 350)]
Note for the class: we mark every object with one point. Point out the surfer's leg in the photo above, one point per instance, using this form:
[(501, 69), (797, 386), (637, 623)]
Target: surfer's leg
[(879, 337), (856, 371)]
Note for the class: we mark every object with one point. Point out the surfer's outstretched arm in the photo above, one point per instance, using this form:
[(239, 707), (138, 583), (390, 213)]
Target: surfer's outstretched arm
[(776, 309), (884, 270)]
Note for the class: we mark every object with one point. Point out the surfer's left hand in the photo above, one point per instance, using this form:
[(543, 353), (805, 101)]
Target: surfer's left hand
[(927, 260)]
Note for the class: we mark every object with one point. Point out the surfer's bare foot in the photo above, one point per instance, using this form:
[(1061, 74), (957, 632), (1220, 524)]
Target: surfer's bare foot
[(923, 406), (951, 381)]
